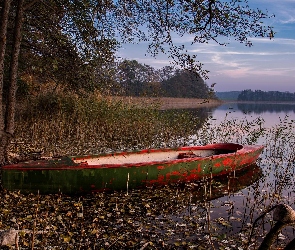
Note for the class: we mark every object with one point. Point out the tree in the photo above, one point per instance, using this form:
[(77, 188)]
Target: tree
[(3, 31), (7, 118), (136, 79), (185, 83), (61, 44), (259, 95), (67, 39)]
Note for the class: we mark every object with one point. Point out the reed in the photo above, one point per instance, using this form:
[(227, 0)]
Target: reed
[(54, 125)]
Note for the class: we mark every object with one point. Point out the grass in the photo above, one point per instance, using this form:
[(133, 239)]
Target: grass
[(69, 125)]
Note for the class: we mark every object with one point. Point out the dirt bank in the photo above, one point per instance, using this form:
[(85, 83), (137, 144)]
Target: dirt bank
[(167, 102)]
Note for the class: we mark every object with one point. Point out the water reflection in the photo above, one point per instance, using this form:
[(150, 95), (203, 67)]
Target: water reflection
[(220, 186), (272, 114), (233, 214), (259, 108), (201, 114)]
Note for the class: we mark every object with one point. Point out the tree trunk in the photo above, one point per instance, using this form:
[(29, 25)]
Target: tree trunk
[(11, 99), (271, 236), (3, 32), (14, 68), (284, 215)]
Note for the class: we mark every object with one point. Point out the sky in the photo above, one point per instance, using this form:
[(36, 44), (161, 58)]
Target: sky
[(269, 65)]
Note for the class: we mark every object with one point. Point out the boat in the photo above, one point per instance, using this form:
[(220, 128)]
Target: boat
[(127, 170)]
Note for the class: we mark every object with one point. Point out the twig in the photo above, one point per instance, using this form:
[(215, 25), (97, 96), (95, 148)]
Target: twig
[(35, 222)]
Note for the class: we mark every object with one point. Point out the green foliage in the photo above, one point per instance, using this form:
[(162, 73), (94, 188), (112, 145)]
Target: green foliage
[(136, 79), (229, 95), (185, 84), (62, 44)]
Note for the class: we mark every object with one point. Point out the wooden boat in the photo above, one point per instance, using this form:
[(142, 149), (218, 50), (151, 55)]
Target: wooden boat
[(127, 170)]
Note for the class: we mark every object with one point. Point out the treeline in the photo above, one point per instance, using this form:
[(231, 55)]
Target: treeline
[(259, 95), (131, 78), (136, 79), (228, 96)]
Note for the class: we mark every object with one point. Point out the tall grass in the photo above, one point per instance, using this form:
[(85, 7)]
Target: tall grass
[(59, 124)]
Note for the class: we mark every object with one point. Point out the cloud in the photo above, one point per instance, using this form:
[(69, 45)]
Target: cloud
[(274, 41), (235, 73)]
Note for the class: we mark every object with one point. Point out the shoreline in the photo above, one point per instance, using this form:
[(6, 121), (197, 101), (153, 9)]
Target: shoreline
[(259, 102), (167, 102), (163, 103)]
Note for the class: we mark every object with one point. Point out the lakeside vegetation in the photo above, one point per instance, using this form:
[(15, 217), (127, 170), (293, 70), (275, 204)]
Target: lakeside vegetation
[(66, 124), (172, 217), (141, 80), (228, 95), (249, 95)]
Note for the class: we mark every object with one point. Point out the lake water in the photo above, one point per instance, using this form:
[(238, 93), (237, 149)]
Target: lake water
[(271, 113), (237, 210)]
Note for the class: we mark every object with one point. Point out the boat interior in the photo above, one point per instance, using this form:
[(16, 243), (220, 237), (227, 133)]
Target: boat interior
[(161, 156)]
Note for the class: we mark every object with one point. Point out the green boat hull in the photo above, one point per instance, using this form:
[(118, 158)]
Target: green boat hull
[(66, 176)]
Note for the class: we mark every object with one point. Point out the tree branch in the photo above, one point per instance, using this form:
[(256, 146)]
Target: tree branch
[(210, 14)]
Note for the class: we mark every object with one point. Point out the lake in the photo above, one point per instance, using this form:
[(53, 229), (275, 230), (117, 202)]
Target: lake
[(273, 126), (215, 213), (271, 113)]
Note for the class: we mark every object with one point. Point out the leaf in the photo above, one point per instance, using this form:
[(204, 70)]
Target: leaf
[(25, 243), (94, 231), (66, 238)]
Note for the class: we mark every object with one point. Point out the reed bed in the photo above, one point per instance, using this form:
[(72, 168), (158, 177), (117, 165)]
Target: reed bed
[(55, 125)]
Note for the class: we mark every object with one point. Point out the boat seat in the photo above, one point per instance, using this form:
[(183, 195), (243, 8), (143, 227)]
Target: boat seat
[(187, 155)]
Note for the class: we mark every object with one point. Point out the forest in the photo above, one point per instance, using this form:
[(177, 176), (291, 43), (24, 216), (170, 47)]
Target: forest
[(136, 79), (259, 95)]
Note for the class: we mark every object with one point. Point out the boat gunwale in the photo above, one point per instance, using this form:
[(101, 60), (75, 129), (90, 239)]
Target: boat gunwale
[(60, 163)]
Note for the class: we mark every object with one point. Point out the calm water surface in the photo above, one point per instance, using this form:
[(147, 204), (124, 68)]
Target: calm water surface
[(276, 184), (271, 113)]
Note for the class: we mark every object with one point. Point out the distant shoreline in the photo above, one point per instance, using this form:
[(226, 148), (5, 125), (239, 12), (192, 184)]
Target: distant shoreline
[(167, 102), (181, 103), (259, 102)]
